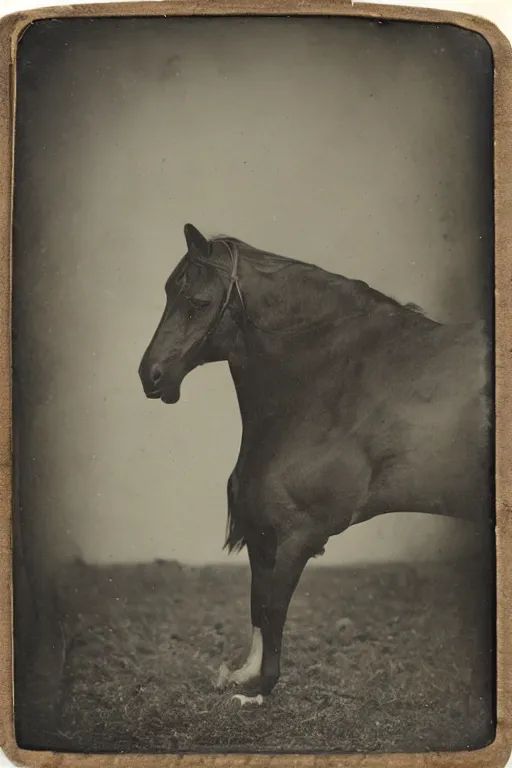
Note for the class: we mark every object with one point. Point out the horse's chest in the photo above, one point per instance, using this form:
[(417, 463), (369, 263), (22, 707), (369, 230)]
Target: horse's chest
[(285, 470), (251, 490), (257, 488)]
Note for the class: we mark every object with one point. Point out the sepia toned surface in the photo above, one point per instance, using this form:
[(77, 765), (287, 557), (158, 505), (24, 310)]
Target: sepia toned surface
[(237, 121), (409, 763)]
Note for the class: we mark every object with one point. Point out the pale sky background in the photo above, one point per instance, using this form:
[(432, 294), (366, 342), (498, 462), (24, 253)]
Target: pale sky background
[(121, 155)]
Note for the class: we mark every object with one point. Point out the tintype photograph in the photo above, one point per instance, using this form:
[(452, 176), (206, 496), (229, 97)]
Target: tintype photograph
[(253, 403)]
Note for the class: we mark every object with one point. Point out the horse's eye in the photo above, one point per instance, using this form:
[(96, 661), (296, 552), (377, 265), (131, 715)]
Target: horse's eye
[(199, 303)]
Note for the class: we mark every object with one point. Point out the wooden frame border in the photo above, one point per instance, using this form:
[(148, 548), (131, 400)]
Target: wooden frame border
[(11, 29)]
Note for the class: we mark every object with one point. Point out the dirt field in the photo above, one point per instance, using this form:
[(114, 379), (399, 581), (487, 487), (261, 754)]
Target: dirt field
[(386, 659)]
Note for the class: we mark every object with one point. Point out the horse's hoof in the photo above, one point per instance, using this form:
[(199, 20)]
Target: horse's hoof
[(248, 699), (223, 676)]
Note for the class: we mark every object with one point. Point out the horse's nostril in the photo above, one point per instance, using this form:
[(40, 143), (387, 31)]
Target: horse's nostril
[(156, 373)]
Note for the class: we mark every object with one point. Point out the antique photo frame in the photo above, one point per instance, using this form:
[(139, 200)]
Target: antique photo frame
[(12, 29)]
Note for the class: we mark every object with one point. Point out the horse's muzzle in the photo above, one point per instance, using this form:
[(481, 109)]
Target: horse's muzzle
[(165, 390), (168, 395)]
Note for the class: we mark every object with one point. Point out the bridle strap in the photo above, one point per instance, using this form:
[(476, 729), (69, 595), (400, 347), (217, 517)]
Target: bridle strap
[(234, 281)]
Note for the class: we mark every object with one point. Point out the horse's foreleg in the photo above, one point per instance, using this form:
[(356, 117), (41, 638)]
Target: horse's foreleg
[(292, 554), (252, 666), (276, 570), (262, 558)]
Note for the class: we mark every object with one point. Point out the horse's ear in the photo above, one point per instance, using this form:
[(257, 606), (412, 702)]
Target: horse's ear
[(196, 242)]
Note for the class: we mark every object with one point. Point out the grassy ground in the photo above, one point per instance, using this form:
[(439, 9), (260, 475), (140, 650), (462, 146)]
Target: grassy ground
[(385, 659)]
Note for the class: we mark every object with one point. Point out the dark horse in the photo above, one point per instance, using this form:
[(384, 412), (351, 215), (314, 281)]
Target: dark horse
[(352, 405)]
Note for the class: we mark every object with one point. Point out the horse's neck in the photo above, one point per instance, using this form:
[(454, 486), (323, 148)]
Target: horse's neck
[(300, 321), (295, 298), (293, 319)]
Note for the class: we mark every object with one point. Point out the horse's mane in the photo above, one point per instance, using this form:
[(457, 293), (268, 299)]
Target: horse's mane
[(269, 263)]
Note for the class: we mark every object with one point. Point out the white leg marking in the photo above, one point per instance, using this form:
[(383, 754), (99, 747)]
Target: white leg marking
[(251, 668)]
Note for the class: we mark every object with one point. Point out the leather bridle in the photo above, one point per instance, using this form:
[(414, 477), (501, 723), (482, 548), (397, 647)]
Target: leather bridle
[(234, 283), (234, 280)]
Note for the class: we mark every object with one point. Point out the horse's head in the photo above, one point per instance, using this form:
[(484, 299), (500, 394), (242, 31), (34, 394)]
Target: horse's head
[(198, 292)]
